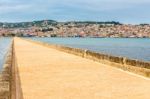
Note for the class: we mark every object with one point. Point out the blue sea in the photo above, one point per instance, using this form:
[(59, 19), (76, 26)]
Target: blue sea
[(133, 48), (4, 47)]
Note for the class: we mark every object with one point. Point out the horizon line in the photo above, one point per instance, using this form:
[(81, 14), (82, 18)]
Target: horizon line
[(74, 21)]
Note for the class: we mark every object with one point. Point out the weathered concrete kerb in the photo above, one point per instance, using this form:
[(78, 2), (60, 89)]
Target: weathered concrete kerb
[(135, 66)]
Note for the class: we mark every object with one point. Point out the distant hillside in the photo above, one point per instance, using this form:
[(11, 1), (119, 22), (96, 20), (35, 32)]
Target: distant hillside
[(27, 24), (48, 22)]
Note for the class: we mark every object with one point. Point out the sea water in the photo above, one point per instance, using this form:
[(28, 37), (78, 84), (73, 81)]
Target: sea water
[(4, 47), (134, 48)]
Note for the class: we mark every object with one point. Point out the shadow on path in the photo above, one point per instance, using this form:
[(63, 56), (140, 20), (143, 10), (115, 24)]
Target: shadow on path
[(16, 90)]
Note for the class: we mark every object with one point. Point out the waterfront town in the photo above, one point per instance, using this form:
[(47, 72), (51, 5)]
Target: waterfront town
[(49, 28)]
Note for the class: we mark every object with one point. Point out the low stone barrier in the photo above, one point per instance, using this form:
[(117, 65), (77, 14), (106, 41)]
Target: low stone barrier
[(5, 77), (136, 66)]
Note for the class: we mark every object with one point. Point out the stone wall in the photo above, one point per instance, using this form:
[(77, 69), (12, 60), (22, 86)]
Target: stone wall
[(5, 77), (136, 66)]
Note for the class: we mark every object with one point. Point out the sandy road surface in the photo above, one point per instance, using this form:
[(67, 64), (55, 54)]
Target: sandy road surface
[(46, 73)]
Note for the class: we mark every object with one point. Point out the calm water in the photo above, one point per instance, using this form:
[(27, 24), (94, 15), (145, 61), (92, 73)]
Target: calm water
[(135, 48), (4, 47)]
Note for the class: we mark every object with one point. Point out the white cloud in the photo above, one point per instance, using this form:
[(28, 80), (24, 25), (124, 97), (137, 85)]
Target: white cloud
[(94, 5), (103, 5), (77, 9), (8, 9)]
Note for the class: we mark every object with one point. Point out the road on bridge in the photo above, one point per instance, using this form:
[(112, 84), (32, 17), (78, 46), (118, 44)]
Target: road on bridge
[(46, 73)]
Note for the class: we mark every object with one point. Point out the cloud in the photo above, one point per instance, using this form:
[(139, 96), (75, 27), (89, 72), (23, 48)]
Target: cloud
[(8, 9), (124, 10), (46, 5), (103, 5)]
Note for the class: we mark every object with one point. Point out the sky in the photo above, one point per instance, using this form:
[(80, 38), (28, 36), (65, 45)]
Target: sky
[(124, 11)]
